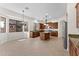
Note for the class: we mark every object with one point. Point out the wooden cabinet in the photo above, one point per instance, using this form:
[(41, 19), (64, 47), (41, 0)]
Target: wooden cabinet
[(73, 49), (44, 35), (34, 34), (53, 25), (54, 33), (42, 26)]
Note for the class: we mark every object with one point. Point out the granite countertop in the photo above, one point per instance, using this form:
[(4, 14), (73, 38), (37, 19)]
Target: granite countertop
[(45, 32), (51, 29), (75, 39), (74, 35)]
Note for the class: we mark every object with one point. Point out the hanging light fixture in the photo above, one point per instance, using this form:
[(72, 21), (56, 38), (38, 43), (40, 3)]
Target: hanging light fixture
[(46, 18), (26, 8), (23, 11), (23, 17)]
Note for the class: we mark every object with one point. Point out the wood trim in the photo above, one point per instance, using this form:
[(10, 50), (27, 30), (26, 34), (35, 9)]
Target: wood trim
[(76, 5), (77, 15)]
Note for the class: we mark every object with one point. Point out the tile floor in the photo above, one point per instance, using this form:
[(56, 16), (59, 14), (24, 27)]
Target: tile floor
[(33, 47)]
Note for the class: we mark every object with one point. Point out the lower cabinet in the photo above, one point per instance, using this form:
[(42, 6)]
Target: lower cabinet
[(34, 34), (44, 36), (54, 33), (72, 49)]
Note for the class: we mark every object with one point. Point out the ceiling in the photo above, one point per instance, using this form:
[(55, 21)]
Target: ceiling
[(55, 10)]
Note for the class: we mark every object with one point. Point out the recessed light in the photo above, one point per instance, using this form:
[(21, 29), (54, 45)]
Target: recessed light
[(26, 8)]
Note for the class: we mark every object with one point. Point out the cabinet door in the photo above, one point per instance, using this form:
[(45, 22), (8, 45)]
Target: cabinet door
[(53, 25), (55, 33), (78, 51), (72, 49), (42, 26)]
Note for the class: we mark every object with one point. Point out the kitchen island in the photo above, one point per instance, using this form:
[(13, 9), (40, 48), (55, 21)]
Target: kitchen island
[(45, 35)]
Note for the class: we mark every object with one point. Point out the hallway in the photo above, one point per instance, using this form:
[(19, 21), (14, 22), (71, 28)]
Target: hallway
[(33, 47)]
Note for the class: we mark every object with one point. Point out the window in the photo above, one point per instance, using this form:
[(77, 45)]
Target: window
[(2, 24), (15, 26)]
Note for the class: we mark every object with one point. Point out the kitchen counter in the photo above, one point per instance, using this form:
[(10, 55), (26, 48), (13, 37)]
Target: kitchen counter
[(75, 41), (51, 29)]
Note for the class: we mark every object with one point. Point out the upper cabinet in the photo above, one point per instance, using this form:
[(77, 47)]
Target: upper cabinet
[(53, 25), (77, 15), (42, 26)]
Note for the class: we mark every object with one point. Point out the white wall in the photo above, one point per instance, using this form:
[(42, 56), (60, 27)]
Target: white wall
[(38, 9), (4, 37), (72, 19)]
